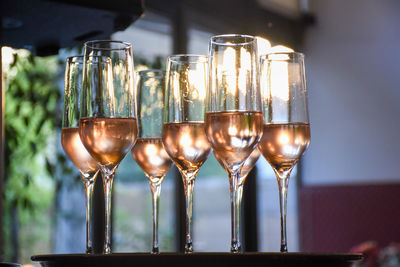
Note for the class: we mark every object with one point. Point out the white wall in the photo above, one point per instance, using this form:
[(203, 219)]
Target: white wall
[(353, 74)]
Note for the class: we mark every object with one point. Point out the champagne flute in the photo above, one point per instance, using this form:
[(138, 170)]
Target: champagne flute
[(183, 131), (233, 113), (286, 130), (148, 150), (70, 140), (108, 126)]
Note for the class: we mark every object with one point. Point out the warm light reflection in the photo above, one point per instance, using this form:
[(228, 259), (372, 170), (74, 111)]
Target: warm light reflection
[(7, 56), (232, 130), (185, 140), (245, 68), (153, 152), (279, 80), (197, 82), (283, 138), (236, 71), (263, 46), (174, 82), (229, 70), (280, 49), (279, 72), (75, 150), (110, 85)]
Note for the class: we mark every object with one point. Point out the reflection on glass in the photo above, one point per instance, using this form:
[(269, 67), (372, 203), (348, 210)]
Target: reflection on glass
[(183, 133), (148, 151), (286, 132), (233, 113), (71, 141), (108, 125)]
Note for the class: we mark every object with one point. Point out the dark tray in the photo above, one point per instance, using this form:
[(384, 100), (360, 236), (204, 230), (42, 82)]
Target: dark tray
[(10, 264), (199, 259)]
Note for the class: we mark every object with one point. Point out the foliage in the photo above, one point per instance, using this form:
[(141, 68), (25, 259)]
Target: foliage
[(31, 119)]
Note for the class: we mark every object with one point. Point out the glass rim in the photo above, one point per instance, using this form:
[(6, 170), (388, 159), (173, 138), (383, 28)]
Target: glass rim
[(124, 45), (148, 73), (232, 35), (177, 58), (291, 55)]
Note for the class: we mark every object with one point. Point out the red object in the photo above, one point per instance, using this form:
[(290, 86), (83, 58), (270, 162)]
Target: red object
[(337, 218)]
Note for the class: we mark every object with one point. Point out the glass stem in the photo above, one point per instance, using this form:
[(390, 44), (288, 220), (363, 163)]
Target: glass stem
[(236, 200), (88, 182), (108, 179), (283, 183), (155, 191), (189, 186)]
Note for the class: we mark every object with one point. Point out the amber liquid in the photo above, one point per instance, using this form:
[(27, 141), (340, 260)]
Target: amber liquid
[(108, 139), (151, 156), (283, 144), (187, 145), (233, 135), (73, 147)]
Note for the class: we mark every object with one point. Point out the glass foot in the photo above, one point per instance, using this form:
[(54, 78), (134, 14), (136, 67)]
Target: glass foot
[(188, 247), (236, 247)]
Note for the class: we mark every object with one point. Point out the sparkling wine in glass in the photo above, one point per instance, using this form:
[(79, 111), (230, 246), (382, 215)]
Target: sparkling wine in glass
[(233, 112), (148, 150), (108, 127), (286, 130), (71, 141), (183, 131)]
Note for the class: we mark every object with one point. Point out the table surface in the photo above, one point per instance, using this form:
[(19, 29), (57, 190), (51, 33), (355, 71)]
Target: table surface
[(201, 259)]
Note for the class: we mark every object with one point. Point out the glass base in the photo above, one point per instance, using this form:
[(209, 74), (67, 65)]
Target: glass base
[(189, 247), (236, 247), (107, 249), (155, 250)]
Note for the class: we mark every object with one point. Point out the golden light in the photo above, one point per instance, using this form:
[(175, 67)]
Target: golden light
[(280, 80), (235, 73), (110, 82), (7, 55), (263, 46), (279, 72), (151, 150), (197, 82), (186, 140), (280, 49), (152, 155), (174, 82), (229, 69), (283, 139), (232, 130), (245, 66)]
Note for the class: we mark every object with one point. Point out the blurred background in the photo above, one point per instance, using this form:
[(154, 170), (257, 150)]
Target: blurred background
[(344, 192)]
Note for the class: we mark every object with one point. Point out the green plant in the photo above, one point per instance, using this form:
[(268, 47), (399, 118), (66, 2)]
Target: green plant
[(32, 117)]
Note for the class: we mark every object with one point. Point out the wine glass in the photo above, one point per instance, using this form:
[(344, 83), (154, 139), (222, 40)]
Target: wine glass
[(71, 141), (233, 112), (246, 168), (286, 130), (148, 150), (183, 132), (108, 126)]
